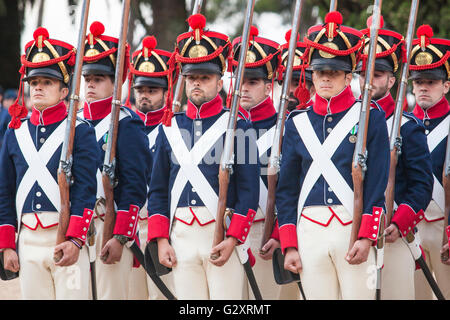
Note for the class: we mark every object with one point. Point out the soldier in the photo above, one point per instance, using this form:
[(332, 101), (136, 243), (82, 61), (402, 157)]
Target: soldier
[(300, 73), (132, 154), (256, 107), (413, 175), (184, 185), (430, 74), (315, 189), (150, 76), (30, 198)]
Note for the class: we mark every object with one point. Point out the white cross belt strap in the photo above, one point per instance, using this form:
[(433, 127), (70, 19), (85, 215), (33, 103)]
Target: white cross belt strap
[(189, 160), (152, 137), (264, 143), (37, 165), (390, 122), (321, 155), (434, 138)]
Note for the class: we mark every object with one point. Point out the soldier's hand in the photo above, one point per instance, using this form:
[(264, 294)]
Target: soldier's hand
[(223, 250), (112, 251), (391, 233), (70, 253), (166, 253), (11, 260), (266, 251), (445, 248), (292, 261), (359, 252)]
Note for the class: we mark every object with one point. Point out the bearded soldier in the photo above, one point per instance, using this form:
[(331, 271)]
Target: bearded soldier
[(184, 184), (430, 74), (413, 180), (133, 155), (149, 76), (315, 188), (30, 197)]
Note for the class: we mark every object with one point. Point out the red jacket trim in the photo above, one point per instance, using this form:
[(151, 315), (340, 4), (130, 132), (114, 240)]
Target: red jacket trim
[(49, 115), (276, 231), (7, 236), (406, 219), (158, 227), (240, 225), (288, 237), (79, 225), (370, 225), (440, 109), (447, 230), (206, 110), (336, 104), (329, 220), (126, 221)]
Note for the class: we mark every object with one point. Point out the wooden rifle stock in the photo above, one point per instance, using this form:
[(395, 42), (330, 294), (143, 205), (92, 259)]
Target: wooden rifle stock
[(274, 163), (227, 158), (359, 165), (178, 90), (109, 179), (395, 138), (65, 178)]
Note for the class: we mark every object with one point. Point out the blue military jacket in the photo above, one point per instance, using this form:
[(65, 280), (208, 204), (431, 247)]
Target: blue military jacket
[(413, 176), (29, 161), (132, 158), (436, 121), (186, 167), (331, 143)]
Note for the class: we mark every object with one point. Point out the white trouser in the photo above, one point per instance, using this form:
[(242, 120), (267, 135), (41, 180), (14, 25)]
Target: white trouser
[(397, 275), (194, 277), (112, 279), (430, 237), (326, 274), (141, 286), (40, 279)]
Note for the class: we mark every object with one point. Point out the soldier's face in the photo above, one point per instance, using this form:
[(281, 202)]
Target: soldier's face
[(97, 87), (46, 92), (293, 101), (254, 91), (201, 88), (329, 83), (149, 98), (382, 82), (429, 92)]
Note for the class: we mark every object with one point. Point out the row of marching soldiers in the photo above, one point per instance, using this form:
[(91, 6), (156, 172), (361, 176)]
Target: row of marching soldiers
[(167, 168)]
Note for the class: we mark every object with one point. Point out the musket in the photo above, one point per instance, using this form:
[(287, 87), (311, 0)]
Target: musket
[(65, 178), (446, 185), (227, 157), (359, 164), (178, 90), (109, 178), (275, 153), (92, 255), (333, 5)]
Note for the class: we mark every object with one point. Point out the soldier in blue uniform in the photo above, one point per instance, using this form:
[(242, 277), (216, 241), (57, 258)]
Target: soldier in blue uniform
[(29, 193), (315, 189), (184, 184), (132, 156), (430, 75), (413, 178), (256, 107), (149, 77)]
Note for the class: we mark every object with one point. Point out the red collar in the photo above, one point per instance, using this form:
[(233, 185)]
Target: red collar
[(438, 110), (49, 115), (97, 109), (387, 103), (206, 110), (336, 104), (261, 111), (151, 118)]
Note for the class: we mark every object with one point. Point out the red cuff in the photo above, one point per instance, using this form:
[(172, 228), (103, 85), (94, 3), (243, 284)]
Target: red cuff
[(240, 225), (406, 219), (126, 221), (79, 225), (288, 236), (276, 232), (158, 227), (7, 237), (370, 225)]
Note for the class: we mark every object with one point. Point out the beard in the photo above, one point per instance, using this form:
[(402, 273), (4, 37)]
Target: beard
[(292, 102), (146, 105)]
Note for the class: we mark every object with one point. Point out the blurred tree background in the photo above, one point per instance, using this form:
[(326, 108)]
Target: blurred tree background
[(169, 19)]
